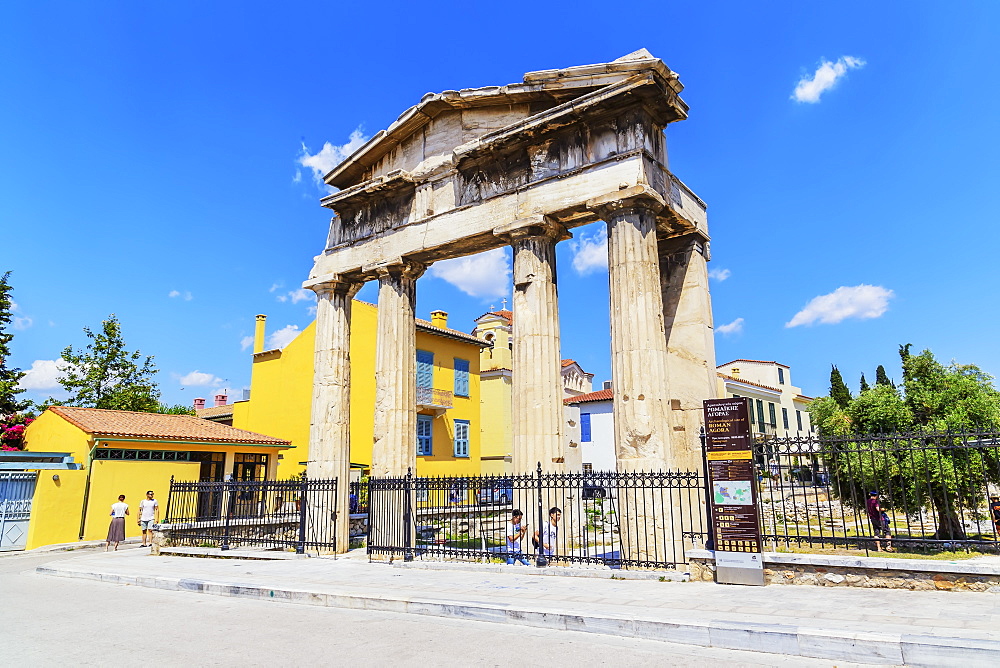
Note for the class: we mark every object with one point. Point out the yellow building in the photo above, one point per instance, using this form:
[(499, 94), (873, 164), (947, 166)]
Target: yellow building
[(448, 400), (496, 371), (128, 453)]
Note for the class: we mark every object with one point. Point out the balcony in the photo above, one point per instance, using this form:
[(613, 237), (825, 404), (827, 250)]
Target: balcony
[(433, 400)]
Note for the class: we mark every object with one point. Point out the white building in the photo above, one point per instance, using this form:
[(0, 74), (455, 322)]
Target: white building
[(597, 428), (777, 408)]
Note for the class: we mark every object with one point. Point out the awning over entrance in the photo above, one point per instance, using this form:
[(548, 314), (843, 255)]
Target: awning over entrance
[(16, 460)]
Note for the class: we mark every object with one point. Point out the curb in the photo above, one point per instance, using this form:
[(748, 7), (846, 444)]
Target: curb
[(881, 648), (556, 571)]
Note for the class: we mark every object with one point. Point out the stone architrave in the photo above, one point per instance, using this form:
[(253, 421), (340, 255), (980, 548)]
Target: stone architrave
[(687, 316), (395, 437), (330, 422), (536, 388)]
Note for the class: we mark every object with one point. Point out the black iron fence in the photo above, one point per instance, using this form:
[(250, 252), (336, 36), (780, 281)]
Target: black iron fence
[(616, 519), (276, 514), (918, 491)]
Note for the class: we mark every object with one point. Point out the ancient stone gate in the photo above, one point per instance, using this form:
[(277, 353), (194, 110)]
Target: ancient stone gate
[(467, 171)]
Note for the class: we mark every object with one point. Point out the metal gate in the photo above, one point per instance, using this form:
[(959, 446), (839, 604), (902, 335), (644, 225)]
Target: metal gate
[(16, 491)]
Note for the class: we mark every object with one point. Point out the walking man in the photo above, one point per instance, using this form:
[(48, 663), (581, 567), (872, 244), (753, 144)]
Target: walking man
[(149, 514), (515, 534)]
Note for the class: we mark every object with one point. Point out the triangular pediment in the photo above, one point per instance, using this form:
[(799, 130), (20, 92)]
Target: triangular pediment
[(423, 136)]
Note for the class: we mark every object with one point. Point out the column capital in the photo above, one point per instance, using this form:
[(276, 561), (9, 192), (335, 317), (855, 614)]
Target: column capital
[(398, 268), (533, 226), (328, 286), (640, 197)]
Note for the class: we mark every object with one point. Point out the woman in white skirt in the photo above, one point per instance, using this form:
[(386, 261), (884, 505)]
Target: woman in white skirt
[(116, 532)]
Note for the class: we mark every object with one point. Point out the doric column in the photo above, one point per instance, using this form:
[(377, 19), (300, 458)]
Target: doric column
[(687, 316), (395, 439), (330, 424), (638, 344), (536, 392)]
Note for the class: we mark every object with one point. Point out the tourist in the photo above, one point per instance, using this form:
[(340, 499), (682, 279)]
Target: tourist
[(149, 514), (995, 512), (546, 540), (775, 471), (880, 522), (515, 534), (116, 532)]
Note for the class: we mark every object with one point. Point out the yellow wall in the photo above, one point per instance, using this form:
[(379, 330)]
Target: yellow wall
[(55, 509), (495, 390), (51, 433), (111, 478), (281, 397)]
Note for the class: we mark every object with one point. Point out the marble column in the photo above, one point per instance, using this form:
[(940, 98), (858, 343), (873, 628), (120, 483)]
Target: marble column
[(687, 315), (395, 439), (536, 384), (330, 424), (638, 343)]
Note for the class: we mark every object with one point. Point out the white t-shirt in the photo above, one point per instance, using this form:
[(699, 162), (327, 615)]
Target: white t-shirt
[(513, 530), (119, 509), (147, 509), (547, 536)]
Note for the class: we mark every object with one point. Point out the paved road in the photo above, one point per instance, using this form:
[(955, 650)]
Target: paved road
[(58, 621)]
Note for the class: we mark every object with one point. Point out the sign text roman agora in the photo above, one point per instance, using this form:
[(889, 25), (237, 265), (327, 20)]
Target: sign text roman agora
[(732, 482)]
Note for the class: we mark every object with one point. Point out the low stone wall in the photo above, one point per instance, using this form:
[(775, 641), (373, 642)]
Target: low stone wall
[(871, 572)]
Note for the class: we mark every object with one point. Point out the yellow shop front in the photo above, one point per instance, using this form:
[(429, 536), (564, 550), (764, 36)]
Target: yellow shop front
[(125, 452)]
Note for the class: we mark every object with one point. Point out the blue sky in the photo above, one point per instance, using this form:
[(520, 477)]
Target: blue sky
[(157, 162)]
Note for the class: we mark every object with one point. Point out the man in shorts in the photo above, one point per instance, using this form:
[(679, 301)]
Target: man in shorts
[(149, 514)]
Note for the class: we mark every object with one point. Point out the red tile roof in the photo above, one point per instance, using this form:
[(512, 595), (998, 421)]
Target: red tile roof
[(754, 362), (600, 395), (425, 326), (508, 315), (129, 424)]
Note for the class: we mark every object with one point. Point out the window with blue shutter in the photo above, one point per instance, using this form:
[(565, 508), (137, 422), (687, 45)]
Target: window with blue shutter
[(784, 417), (585, 427), (461, 377), (461, 438), (425, 368), (425, 428)]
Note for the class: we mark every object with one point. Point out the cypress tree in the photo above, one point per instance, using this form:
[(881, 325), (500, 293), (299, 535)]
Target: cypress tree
[(838, 389), (881, 377), (864, 384)]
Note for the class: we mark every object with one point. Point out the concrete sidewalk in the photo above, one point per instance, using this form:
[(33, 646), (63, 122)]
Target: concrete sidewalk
[(886, 627)]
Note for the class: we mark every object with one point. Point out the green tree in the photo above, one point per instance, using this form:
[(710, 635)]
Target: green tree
[(864, 384), (933, 459), (176, 409), (9, 376), (106, 375), (838, 390), (882, 378)]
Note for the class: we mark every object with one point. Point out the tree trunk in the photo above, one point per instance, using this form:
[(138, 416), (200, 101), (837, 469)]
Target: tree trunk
[(949, 525)]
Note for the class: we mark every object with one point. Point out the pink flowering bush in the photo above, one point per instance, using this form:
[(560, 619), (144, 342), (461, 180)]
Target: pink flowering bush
[(12, 431)]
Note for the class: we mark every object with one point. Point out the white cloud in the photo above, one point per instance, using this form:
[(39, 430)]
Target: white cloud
[(246, 342), (720, 274), (177, 293), (485, 275), (824, 78), (735, 327), (860, 301), (296, 296), (274, 286), (282, 337), (590, 253), (19, 322), (43, 375), (199, 379), (328, 157)]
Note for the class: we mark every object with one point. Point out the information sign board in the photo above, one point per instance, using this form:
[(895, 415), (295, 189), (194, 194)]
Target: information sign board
[(733, 484)]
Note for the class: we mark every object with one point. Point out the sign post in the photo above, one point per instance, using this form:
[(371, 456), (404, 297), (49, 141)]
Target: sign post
[(733, 484)]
